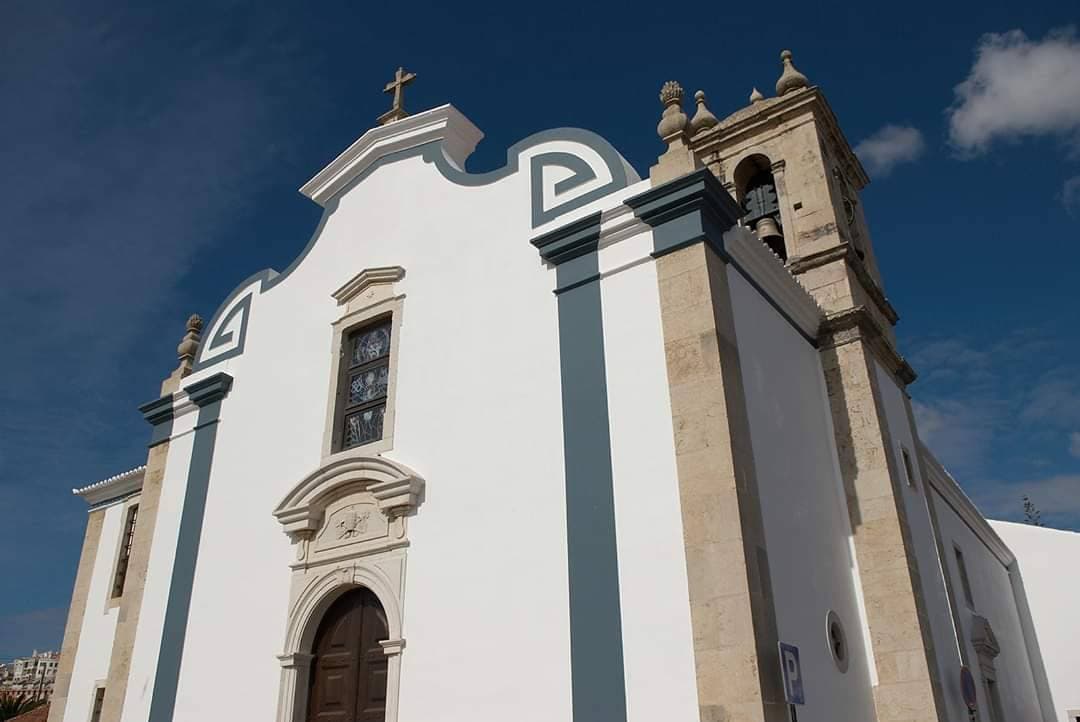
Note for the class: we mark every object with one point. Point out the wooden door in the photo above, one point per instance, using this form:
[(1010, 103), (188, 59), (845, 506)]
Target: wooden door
[(348, 674)]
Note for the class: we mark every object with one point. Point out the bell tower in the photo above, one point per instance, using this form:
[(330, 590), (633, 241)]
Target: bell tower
[(795, 182), (786, 162)]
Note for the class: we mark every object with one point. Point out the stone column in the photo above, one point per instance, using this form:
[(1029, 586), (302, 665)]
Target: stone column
[(392, 648), (295, 676), (908, 686), (731, 609), (76, 612)]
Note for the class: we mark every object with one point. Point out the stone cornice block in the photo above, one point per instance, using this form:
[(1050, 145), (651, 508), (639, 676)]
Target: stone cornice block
[(696, 203), (858, 324), (158, 411), (397, 496), (365, 279), (570, 241), (211, 389), (846, 252), (456, 134)]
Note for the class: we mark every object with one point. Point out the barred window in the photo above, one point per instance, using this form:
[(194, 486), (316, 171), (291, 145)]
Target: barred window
[(99, 702), (125, 551)]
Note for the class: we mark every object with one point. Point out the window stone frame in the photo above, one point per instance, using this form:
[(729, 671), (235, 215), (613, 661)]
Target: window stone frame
[(366, 297)]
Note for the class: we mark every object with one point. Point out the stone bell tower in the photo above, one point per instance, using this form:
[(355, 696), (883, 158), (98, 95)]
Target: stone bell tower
[(787, 165), (785, 160)]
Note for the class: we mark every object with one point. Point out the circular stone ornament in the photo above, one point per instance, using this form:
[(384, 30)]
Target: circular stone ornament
[(836, 638)]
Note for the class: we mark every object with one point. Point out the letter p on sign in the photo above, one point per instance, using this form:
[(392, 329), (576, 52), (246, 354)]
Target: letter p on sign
[(793, 683)]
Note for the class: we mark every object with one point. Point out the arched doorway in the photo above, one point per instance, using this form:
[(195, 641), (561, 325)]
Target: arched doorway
[(348, 669)]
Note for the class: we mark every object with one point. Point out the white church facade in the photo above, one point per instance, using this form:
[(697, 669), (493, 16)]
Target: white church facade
[(553, 442)]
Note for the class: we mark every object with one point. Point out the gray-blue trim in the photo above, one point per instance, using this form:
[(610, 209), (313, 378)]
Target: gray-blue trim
[(695, 208), (596, 654), (622, 174), (159, 414), (207, 394), (572, 240)]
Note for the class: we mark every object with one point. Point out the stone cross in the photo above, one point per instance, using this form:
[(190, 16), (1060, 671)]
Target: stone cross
[(397, 86)]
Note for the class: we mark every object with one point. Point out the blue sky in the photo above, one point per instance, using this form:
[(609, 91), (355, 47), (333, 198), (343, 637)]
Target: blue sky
[(151, 156)]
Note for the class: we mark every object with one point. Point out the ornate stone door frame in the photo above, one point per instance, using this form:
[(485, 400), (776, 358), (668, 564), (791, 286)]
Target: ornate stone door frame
[(348, 522)]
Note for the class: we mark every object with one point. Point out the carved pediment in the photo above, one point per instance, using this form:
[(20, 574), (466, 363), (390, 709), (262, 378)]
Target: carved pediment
[(367, 281), (381, 489)]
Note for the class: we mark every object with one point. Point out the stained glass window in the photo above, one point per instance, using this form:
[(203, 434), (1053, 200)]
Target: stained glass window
[(364, 426), (368, 385), (365, 383), (371, 344)]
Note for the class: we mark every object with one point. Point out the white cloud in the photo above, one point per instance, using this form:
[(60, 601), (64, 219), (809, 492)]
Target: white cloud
[(889, 147), (1018, 87), (1074, 444), (1070, 194)]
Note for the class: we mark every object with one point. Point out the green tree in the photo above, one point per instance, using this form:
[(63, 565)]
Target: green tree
[(13, 704), (1032, 515)]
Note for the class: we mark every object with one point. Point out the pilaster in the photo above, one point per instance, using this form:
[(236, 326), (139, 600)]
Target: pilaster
[(732, 615), (908, 686), (76, 613), (158, 414)]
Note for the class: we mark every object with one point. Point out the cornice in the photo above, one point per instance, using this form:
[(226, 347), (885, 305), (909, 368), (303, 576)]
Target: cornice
[(115, 487), (211, 389), (945, 485), (445, 124), (846, 252), (696, 193), (570, 241), (751, 118), (858, 324), (365, 279)]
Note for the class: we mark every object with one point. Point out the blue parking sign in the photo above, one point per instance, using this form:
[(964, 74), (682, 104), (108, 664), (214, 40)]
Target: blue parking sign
[(793, 681)]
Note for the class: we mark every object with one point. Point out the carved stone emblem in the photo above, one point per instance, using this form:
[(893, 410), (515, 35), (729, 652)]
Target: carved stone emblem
[(352, 523)]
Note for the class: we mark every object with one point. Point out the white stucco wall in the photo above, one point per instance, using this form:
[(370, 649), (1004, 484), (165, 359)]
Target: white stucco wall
[(992, 593), (99, 621), (806, 523), (657, 636), (144, 653), (899, 430), (1048, 560)]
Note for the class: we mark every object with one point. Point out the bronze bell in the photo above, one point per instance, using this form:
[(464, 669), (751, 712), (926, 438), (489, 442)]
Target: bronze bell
[(769, 233)]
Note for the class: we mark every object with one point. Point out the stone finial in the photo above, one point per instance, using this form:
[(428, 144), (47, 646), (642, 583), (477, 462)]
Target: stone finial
[(189, 346), (791, 78), (756, 96), (673, 122), (703, 118), (677, 159)]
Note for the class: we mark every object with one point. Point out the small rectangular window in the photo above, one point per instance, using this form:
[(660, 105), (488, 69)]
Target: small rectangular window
[(964, 581), (909, 467), (99, 702), (365, 380), (125, 551)]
